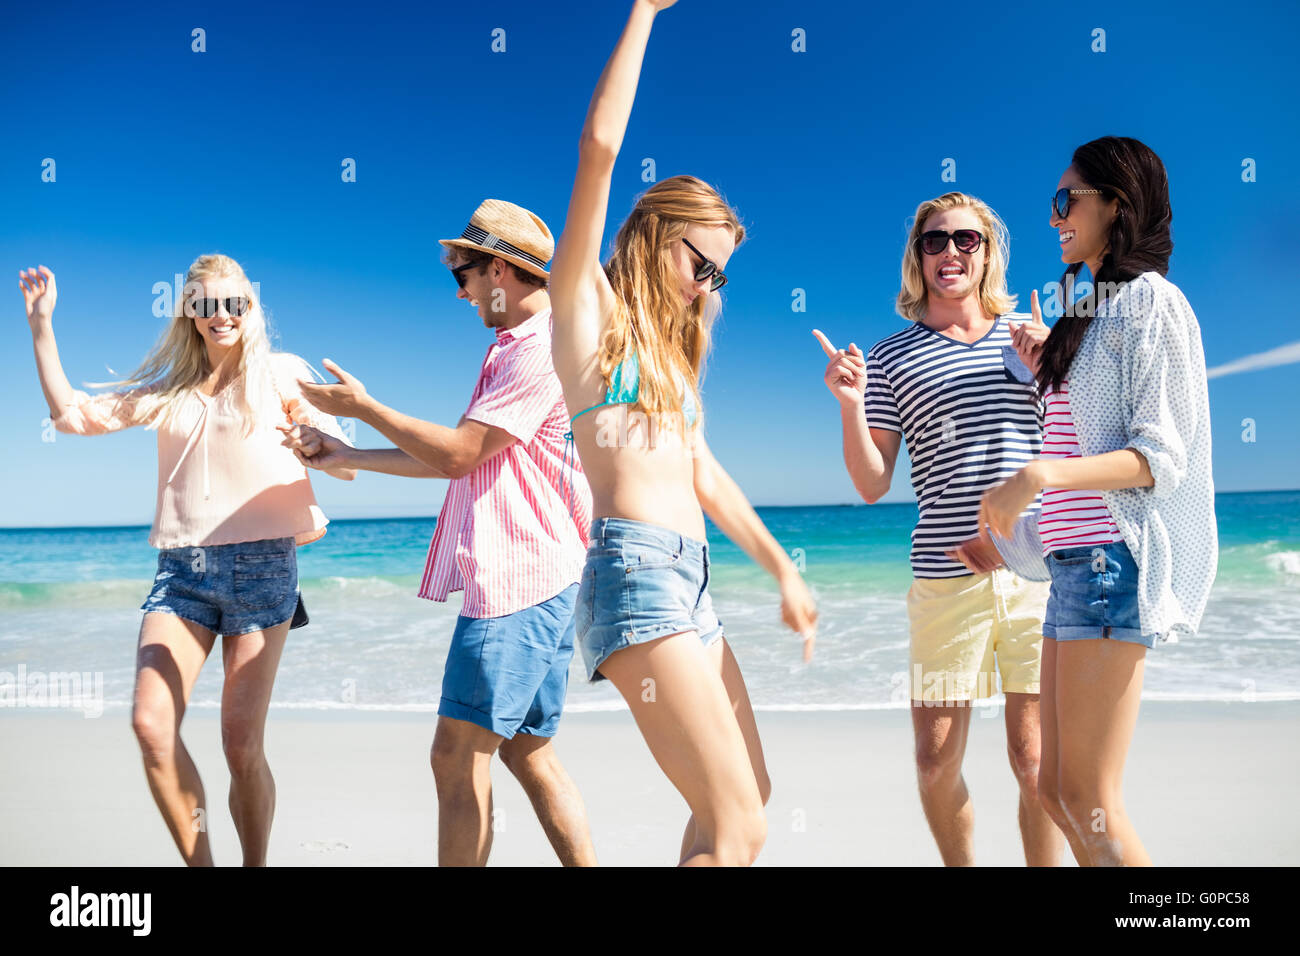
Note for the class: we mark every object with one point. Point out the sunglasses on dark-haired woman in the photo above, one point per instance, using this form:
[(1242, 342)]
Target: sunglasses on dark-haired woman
[(1061, 201)]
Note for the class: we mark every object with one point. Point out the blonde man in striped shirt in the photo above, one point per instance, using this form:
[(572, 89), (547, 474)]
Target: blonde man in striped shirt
[(506, 536), (952, 385)]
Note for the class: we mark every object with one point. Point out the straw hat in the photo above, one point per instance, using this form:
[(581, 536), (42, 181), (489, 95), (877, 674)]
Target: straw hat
[(512, 232)]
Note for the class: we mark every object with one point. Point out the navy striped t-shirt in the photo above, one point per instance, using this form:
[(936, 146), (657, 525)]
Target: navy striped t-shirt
[(969, 418)]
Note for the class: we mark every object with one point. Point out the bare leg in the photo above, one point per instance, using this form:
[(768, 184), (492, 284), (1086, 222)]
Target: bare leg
[(681, 706), (1049, 792), (941, 734), (1041, 838), (251, 661), (724, 662), (1099, 691), (462, 772), (553, 794), (170, 655)]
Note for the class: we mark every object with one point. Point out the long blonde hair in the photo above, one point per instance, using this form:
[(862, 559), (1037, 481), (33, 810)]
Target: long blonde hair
[(670, 338), (994, 298), (178, 362)]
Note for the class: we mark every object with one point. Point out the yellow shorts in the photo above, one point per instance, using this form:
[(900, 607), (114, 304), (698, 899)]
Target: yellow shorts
[(959, 625)]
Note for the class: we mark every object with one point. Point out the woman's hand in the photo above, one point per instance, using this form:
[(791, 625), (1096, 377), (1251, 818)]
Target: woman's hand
[(1003, 505), (39, 295), (1028, 337), (660, 4), (846, 372), (799, 610)]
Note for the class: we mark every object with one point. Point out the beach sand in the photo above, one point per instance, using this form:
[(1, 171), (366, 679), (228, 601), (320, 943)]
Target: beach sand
[(1207, 784)]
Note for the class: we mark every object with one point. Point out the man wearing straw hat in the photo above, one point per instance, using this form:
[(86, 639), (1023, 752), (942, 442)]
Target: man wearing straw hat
[(505, 536)]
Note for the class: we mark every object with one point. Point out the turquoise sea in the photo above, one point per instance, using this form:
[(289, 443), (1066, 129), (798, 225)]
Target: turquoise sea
[(69, 600)]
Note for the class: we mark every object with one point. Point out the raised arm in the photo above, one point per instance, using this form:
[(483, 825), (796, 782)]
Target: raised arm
[(39, 296), (869, 453), (71, 410), (578, 285)]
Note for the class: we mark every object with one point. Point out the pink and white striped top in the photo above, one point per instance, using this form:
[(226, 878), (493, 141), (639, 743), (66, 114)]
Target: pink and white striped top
[(505, 535), (1070, 518)]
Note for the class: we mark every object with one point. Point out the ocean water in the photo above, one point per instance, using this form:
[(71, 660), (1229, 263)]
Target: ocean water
[(69, 600)]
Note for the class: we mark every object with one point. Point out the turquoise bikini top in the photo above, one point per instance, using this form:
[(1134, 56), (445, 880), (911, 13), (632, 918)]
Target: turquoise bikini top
[(625, 385)]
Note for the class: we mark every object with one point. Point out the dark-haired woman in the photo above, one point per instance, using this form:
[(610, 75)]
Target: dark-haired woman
[(1127, 523)]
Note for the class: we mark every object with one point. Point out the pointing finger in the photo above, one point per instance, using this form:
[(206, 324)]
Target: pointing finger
[(337, 371), (829, 349)]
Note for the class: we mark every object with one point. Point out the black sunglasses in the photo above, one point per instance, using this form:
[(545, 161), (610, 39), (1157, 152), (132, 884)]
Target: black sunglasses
[(709, 268), (236, 305), (456, 272), (936, 240), (1061, 201)]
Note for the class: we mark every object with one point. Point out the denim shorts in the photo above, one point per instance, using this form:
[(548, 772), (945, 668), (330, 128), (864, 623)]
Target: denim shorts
[(230, 588), (509, 674), (1094, 595), (641, 582)]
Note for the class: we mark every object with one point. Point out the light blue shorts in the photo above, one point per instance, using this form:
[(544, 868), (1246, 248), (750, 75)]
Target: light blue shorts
[(642, 581), (1094, 595), (509, 674)]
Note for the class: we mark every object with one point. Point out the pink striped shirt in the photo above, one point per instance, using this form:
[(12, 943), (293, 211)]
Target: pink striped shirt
[(1070, 518), (505, 535)]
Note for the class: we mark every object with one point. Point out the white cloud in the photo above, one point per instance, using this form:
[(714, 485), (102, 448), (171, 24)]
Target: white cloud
[(1282, 355)]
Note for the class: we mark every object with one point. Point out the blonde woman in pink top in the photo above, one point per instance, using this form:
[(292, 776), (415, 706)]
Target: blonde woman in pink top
[(233, 504)]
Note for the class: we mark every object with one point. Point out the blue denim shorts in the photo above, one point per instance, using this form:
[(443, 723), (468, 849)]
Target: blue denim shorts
[(1094, 595), (641, 582), (509, 674), (230, 588)]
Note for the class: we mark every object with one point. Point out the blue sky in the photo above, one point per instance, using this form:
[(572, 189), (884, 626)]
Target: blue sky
[(162, 154)]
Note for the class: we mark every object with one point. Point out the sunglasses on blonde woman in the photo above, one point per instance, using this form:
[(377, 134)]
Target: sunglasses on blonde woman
[(706, 269), (236, 305)]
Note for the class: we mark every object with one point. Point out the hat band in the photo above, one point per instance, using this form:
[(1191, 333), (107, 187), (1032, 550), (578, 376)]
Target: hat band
[(488, 241)]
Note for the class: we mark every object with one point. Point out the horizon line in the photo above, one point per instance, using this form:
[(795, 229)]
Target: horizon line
[(849, 504)]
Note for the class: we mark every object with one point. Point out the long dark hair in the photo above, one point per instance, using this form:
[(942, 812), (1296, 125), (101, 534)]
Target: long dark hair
[(1140, 240)]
